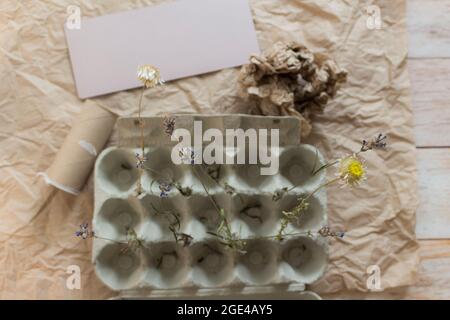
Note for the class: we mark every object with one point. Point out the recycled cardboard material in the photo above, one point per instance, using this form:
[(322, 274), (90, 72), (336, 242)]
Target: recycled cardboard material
[(39, 104), (75, 160), (162, 263)]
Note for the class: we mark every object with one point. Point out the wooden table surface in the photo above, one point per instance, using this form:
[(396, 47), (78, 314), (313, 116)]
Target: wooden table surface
[(429, 70)]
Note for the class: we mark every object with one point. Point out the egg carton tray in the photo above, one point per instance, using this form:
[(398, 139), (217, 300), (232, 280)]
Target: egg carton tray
[(163, 267)]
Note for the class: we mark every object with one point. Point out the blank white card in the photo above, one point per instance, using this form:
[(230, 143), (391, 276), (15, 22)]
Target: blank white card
[(182, 38)]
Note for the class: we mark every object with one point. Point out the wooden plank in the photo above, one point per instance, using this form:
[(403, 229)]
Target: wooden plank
[(434, 274), (430, 90), (429, 28), (433, 215), (433, 281)]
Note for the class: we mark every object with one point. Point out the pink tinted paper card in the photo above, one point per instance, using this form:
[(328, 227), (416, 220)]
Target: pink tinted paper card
[(182, 38)]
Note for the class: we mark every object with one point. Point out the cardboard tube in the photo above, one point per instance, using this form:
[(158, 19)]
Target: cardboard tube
[(75, 160)]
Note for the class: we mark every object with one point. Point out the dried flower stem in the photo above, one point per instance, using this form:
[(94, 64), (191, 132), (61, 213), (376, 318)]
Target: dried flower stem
[(150, 78), (379, 142), (295, 234), (141, 127), (352, 172), (224, 231), (133, 242), (175, 225), (213, 201), (279, 194), (300, 208), (326, 184), (185, 191), (325, 166), (141, 122)]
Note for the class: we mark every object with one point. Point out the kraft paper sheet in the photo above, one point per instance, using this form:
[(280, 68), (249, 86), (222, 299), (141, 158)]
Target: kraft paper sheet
[(39, 107)]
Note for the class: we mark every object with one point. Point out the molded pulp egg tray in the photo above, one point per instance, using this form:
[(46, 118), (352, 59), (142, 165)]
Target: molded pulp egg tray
[(163, 267)]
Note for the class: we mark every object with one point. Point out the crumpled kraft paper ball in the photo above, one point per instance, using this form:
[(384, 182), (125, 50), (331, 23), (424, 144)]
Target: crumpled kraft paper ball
[(290, 80)]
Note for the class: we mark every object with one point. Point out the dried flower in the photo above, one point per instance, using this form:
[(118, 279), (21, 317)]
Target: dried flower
[(279, 194), (84, 232), (298, 210), (326, 232), (140, 160), (292, 216), (227, 237), (379, 142), (175, 225), (165, 187), (169, 125), (133, 241), (235, 242), (351, 170), (149, 76), (280, 234)]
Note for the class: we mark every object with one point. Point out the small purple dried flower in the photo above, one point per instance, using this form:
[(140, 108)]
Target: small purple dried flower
[(140, 160), (84, 232), (187, 155), (169, 125), (165, 188)]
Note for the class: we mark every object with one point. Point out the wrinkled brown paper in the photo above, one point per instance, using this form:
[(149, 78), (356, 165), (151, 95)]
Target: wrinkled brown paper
[(39, 104), (290, 80)]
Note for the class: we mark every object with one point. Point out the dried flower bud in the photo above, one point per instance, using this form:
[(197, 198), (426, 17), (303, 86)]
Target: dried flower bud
[(326, 232), (279, 194), (379, 142), (140, 160), (84, 232), (169, 126), (165, 187), (185, 191), (149, 76)]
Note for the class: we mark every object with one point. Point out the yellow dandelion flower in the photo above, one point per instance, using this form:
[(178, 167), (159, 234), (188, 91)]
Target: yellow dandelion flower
[(351, 170), (149, 76)]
